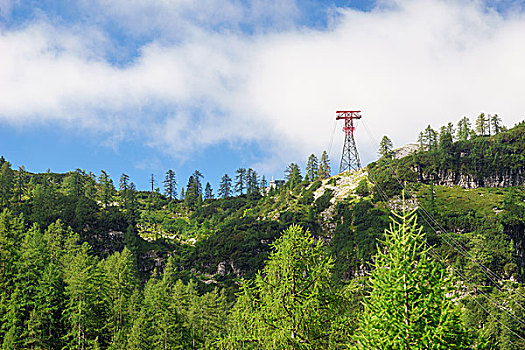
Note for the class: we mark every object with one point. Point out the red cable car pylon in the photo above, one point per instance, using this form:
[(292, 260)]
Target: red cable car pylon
[(350, 157)]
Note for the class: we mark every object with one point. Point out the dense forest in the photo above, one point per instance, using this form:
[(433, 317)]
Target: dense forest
[(424, 250)]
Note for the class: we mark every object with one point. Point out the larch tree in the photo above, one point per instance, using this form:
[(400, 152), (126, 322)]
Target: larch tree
[(409, 305), (293, 303), (21, 183), (120, 282), (495, 123), (428, 139), (482, 125), (6, 184), (464, 129)]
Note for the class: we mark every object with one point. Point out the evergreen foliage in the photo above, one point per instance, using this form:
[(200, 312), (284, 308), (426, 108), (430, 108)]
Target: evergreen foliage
[(385, 147), (240, 180), (312, 168), (324, 166), (225, 187), (170, 185)]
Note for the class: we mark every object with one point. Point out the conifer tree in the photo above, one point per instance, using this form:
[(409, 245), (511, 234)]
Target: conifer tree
[(84, 313), (198, 176), (464, 129), (208, 191), (482, 125), (293, 175), (106, 189), (445, 137), (11, 229), (264, 183), (385, 147), (225, 187), (193, 196), (324, 166), (170, 185), (240, 180), (21, 182), (120, 282), (312, 167), (6, 184), (159, 326), (293, 303), (252, 181), (408, 306), (495, 123), (428, 139)]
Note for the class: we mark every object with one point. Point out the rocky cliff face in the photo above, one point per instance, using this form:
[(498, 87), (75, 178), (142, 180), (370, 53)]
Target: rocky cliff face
[(508, 178)]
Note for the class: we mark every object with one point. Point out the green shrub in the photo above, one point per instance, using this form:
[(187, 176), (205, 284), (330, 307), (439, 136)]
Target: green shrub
[(323, 201), (362, 189)]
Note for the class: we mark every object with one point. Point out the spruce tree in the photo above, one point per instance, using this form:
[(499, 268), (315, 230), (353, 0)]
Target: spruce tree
[(208, 191), (252, 181), (106, 189), (293, 175), (385, 147), (225, 187), (312, 167), (324, 166), (408, 306), (170, 185), (240, 180)]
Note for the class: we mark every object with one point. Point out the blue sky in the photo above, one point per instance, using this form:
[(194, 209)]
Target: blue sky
[(140, 87)]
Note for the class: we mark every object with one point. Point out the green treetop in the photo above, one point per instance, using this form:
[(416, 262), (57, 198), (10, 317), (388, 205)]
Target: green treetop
[(385, 147), (312, 166), (464, 129), (324, 166), (408, 306), (293, 303)]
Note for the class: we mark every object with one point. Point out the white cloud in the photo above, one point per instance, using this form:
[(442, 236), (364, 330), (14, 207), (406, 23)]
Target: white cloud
[(405, 64)]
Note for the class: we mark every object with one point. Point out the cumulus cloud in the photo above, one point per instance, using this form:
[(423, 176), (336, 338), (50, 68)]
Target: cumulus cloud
[(405, 64)]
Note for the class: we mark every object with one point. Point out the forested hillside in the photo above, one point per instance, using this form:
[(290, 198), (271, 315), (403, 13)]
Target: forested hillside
[(86, 264)]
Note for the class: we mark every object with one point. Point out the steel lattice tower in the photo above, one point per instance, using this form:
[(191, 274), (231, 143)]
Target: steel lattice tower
[(350, 157)]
